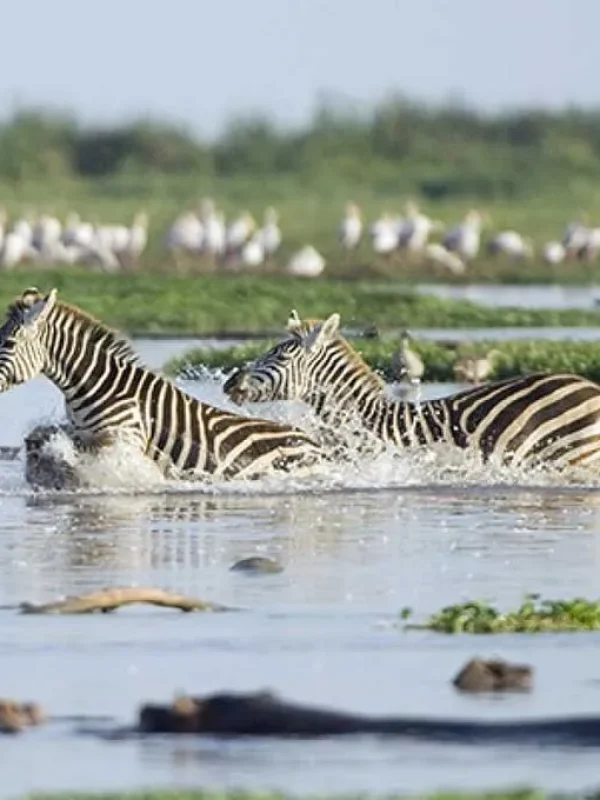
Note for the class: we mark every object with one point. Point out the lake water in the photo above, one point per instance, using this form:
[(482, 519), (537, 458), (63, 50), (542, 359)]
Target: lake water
[(356, 547), (515, 296)]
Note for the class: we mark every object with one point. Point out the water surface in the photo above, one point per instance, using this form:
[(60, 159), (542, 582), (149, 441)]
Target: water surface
[(356, 547)]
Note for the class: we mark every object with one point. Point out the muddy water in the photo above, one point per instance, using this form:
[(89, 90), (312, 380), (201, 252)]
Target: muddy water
[(356, 547)]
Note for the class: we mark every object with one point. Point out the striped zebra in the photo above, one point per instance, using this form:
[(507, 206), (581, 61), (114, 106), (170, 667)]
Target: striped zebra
[(540, 418), (110, 396)]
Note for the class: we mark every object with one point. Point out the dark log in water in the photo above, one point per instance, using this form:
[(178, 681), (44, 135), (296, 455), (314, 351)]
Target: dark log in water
[(257, 565), (108, 600), (264, 714)]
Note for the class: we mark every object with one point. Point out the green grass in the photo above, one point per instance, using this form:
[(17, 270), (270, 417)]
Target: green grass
[(515, 357), (533, 616), (156, 303), (311, 208), (508, 794)]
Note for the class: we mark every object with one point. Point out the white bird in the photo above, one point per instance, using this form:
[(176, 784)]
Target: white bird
[(112, 237), (465, 238), (437, 254), (15, 249), (186, 234), (350, 231), (474, 369), (307, 262), (574, 238), (238, 232), (511, 244), (138, 238), (253, 252), (554, 253), (415, 229), (214, 233), (47, 231), (270, 232), (23, 228), (591, 248), (384, 234), (76, 232), (406, 364)]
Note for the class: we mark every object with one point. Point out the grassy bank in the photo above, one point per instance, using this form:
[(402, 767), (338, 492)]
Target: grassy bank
[(223, 304), (518, 794), (514, 358)]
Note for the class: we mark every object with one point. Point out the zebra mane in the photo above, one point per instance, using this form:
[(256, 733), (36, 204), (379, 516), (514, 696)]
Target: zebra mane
[(351, 355), (114, 342)]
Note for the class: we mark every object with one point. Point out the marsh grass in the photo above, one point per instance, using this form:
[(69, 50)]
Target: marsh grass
[(157, 303), (509, 794), (515, 357)]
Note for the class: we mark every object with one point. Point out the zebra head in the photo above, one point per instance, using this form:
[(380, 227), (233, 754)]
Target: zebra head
[(287, 371), (22, 341)]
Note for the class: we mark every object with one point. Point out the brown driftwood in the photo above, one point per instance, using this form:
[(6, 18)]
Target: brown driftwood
[(494, 676), (107, 600), (264, 714), (15, 717)]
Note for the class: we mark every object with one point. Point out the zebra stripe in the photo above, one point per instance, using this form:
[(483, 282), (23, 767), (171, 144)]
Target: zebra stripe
[(110, 396), (539, 418)]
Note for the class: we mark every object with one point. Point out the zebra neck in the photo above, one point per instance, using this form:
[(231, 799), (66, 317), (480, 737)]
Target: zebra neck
[(80, 357)]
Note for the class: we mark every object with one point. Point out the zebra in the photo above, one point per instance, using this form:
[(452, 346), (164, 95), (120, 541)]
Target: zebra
[(532, 420), (110, 397)]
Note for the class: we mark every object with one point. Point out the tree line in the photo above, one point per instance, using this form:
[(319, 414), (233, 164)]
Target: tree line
[(441, 151)]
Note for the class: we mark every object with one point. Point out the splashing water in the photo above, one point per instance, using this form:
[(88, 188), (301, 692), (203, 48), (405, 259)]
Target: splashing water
[(121, 469)]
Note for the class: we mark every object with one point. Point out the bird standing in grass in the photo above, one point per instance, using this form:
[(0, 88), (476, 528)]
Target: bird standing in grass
[(351, 228), (476, 370), (406, 364)]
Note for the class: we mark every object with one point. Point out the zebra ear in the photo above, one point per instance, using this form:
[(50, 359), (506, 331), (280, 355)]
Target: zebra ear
[(324, 332), (39, 310), (294, 323)]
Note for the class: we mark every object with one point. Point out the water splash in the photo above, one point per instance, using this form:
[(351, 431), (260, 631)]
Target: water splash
[(121, 469)]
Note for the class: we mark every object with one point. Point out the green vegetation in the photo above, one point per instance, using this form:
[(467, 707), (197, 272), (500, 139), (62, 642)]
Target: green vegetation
[(448, 151), (531, 170), (186, 794), (157, 303), (514, 357), (533, 616)]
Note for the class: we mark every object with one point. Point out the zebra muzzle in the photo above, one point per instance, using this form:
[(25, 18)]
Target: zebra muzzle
[(237, 387)]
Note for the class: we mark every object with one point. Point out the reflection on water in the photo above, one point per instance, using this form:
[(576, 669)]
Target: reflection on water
[(356, 547)]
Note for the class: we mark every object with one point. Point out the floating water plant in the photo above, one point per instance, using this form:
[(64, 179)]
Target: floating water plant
[(533, 616)]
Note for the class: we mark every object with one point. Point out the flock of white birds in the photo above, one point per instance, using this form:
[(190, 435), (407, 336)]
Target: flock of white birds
[(44, 239), (242, 244)]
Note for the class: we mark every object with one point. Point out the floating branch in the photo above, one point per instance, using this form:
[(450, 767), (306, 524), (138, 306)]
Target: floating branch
[(108, 600)]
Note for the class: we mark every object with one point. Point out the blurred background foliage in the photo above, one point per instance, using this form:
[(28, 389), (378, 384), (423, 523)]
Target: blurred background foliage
[(437, 152)]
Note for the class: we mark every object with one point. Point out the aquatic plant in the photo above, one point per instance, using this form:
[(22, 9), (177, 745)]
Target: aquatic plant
[(533, 616)]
